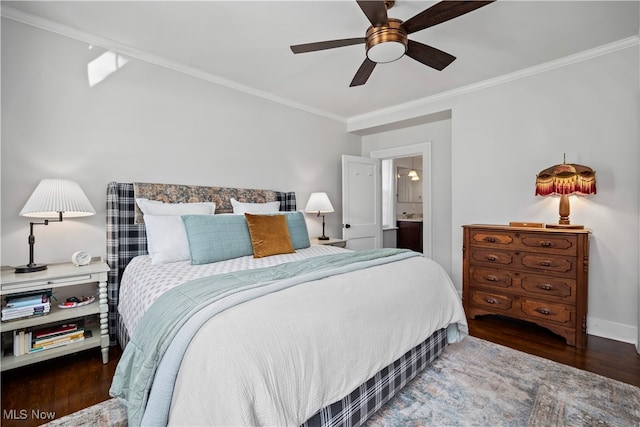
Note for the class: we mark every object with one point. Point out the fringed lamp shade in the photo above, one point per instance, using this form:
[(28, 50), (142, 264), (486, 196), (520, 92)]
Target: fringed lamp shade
[(564, 180)]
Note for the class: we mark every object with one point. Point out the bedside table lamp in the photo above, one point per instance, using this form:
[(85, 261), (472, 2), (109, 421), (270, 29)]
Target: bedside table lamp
[(51, 199), (320, 203), (565, 180)]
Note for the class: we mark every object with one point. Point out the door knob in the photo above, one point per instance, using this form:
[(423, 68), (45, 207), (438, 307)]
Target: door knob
[(347, 226)]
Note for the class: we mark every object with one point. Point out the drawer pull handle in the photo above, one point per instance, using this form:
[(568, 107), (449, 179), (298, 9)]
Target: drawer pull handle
[(492, 279), (546, 263), (491, 258), (491, 301), (545, 311), (490, 239), (546, 287), (546, 243)]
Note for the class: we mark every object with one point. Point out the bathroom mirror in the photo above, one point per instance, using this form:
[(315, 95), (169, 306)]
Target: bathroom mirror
[(409, 189)]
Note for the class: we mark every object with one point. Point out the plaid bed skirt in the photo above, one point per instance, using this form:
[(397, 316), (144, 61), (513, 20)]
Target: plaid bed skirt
[(354, 409)]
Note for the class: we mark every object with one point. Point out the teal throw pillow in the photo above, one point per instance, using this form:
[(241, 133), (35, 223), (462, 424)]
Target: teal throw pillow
[(215, 238), (298, 230)]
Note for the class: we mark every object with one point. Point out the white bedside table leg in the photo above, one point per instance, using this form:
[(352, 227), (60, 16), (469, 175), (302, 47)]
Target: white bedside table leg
[(105, 355), (104, 322)]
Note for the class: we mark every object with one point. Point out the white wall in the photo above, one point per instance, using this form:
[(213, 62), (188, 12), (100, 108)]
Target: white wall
[(503, 135), (143, 123)]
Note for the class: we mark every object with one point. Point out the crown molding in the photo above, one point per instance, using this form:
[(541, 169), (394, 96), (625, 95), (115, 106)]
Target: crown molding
[(131, 52), (352, 122)]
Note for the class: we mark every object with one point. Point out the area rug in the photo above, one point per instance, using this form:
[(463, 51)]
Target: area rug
[(477, 383)]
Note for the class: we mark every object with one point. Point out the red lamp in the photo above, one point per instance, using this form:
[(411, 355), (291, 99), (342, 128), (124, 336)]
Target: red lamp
[(564, 180)]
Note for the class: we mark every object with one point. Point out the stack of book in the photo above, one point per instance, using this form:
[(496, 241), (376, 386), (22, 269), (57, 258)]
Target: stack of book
[(31, 341), (26, 304), (21, 342), (56, 336)]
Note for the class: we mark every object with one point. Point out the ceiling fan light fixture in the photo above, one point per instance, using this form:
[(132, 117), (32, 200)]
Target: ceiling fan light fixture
[(386, 43), (386, 39), (386, 52)]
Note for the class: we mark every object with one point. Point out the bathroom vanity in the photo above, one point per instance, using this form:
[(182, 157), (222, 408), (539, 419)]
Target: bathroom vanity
[(409, 233)]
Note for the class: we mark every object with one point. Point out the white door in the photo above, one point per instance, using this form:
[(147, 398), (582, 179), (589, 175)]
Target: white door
[(361, 202)]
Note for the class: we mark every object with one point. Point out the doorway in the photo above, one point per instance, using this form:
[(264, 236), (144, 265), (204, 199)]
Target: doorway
[(404, 208), (407, 157)]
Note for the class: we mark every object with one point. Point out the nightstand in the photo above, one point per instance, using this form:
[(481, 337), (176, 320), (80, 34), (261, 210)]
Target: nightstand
[(331, 242), (65, 280)]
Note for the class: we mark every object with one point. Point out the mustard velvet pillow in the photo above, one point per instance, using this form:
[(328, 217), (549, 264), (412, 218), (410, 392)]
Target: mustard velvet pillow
[(269, 235)]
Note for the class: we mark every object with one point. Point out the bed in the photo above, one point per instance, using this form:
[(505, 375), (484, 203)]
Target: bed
[(307, 335)]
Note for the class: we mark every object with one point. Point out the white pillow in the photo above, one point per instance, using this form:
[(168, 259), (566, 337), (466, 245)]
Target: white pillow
[(155, 207), (166, 236), (254, 208), (167, 239)]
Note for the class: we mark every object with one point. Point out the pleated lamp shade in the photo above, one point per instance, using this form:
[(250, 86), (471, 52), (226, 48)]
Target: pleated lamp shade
[(54, 196)]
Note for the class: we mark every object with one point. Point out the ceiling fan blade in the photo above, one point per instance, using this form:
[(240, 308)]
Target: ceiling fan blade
[(441, 12), (363, 73), (329, 44), (429, 56), (375, 11)]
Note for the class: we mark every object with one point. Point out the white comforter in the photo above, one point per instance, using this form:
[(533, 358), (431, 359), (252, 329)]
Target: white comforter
[(278, 359)]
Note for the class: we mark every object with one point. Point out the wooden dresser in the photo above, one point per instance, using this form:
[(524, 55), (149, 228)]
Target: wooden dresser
[(534, 274)]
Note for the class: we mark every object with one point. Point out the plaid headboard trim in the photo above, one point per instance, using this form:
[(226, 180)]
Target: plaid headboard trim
[(126, 239)]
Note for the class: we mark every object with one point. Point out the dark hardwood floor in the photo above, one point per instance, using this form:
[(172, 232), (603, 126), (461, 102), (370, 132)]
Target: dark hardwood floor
[(58, 386), (68, 384), (609, 358)]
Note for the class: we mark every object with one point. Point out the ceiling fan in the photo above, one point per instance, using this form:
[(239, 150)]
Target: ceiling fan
[(386, 39)]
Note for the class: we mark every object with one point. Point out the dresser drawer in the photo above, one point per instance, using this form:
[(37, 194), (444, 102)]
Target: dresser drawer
[(564, 265), (549, 243), (523, 308), (524, 283), (493, 277), (554, 287), (539, 310), (522, 240), (494, 301), (540, 263), (492, 256), (492, 238)]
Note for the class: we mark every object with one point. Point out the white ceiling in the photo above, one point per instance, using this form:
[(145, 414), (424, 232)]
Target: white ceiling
[(245, 44)]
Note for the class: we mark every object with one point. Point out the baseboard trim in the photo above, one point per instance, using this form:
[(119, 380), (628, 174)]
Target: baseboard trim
[(612, 330)]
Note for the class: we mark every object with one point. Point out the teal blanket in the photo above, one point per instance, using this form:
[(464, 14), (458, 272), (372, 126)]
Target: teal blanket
[(135, 372)]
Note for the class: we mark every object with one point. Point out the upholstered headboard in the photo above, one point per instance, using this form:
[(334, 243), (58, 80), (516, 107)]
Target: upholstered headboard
[(126, 236)]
